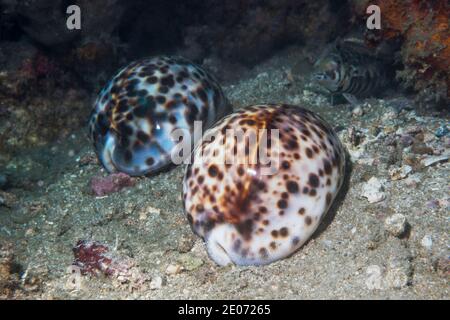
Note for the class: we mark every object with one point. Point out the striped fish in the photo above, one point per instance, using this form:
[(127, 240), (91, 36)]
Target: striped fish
[(350, 69)]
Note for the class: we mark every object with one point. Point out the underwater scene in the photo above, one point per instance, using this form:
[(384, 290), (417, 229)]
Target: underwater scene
[(208, 149)]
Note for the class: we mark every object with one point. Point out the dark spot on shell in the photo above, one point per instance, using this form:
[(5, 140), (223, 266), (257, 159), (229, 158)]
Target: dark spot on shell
[(237, 245), (328, 198), (313, 180), (309, 153), (213, 170), (282, 204), (292, 186), (292, 144), (245, 228), (123, 106), (261, 185), (202, 95), (143, 137), (308, 220), (327, 166), (152, 80), (128, 155), (263, 252), (160, 99), (140, 111), (163, 89), (284, 232), (142, 93), (168, 81), (173, 120)]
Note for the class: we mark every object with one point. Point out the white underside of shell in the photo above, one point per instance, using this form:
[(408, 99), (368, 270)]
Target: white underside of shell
[(287, 206)]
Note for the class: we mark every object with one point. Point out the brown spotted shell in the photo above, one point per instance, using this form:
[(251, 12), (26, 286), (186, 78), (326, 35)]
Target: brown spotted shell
[(251, 212)]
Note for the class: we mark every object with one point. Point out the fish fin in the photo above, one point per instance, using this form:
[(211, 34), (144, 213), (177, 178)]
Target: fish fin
[(350, 98)]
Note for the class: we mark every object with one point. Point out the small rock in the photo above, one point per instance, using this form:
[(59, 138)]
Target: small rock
[(432, 204), (413, 129), (406, 140), (427, 242), (190, 262), (355, 155), (428, 137), (374, 280), (412, 181), (143, 212), (74, 281), (357, 112), (89, 158), (7, 199), (173, 269), (102, 186), (30, 232), (446, 142), (442, 265), (389, 114), (421, 148), (389, 129), (435, 159), (156, 283), (396, 224), (374, 234), (373, 190), (442, 131), (397, 276), (400, 173)]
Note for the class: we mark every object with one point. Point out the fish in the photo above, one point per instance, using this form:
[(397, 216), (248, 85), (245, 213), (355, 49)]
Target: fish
[(348, 68), (257, 212), (138, 109)]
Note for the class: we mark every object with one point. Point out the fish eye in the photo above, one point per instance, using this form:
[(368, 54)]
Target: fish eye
[(331, 75), (319, 76)]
